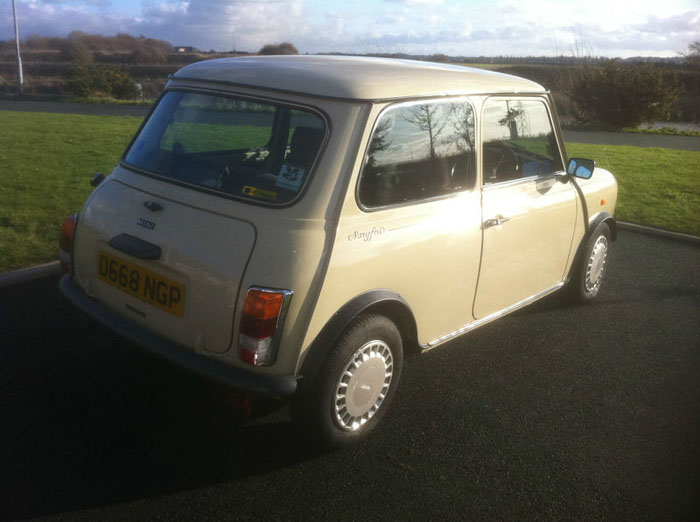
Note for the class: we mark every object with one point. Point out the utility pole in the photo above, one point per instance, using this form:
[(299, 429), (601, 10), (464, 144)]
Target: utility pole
[(20, 77)]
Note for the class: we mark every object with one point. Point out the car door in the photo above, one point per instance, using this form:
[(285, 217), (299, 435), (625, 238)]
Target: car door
[(412, 226), (528, 213)]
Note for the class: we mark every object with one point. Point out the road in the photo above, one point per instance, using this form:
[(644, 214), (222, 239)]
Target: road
[(574, 136), (553, 413), (94, 109)]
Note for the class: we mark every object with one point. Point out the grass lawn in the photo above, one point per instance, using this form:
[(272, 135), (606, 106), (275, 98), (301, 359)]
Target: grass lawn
[(47, 160), (46, 163), (656, 187)]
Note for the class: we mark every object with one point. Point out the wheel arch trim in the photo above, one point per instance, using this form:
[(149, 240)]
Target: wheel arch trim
[(380, 301), (594, 223), (596, 220)]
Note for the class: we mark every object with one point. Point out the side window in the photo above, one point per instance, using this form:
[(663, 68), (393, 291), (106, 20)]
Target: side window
[(518, 141), (419, 151)]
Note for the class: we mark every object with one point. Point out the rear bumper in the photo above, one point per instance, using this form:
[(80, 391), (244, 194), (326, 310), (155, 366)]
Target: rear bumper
[(275, 385)]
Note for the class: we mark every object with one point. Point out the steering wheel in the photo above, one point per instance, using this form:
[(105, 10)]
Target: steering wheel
[(500, 162)]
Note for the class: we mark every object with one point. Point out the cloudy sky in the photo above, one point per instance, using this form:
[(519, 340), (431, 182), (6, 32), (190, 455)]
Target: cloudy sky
[(458, 27)]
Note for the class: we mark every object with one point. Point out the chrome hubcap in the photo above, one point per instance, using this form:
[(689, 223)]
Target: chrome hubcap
[(363, 385), (596, 264)]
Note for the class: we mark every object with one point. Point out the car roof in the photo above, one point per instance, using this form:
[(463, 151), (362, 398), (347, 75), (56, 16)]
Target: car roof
[(354, 78)]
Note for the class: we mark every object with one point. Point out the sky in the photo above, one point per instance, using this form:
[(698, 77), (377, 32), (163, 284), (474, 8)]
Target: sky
[(613, 28)]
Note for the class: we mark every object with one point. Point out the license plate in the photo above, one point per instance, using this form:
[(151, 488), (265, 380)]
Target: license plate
[(148, 286)]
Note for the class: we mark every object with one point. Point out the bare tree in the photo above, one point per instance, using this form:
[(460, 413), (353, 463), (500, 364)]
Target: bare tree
[(425, 118), (512, 118), (692, 57), (379, 141), (463, 126)]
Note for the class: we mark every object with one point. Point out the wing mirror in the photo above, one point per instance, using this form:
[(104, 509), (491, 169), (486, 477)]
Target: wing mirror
[(581, 167), (97, 179)]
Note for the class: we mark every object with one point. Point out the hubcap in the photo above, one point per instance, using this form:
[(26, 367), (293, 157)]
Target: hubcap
[(596, 264), (363, 385)]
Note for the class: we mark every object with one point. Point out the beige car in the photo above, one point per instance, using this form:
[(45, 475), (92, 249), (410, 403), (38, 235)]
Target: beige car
[(293, 225)]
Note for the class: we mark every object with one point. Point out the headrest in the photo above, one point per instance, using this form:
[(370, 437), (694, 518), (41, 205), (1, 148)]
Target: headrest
[(304, 146)]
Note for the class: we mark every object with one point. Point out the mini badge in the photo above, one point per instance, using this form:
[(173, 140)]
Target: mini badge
[(290, 177), (150, 225)]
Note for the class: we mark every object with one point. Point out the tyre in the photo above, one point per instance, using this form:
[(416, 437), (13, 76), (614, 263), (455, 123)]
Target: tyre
[(588, 276), (354, 386)]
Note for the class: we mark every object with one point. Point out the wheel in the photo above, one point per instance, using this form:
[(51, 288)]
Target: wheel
[(355, 385), (588, 277)]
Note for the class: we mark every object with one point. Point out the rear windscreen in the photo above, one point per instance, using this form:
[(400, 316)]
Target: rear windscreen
[(256, 151)]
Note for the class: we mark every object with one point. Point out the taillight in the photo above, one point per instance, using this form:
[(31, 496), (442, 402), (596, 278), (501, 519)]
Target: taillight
[(65, 244), (261, 325)]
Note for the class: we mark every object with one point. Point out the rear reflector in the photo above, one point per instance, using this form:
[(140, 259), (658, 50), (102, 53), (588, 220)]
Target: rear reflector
[(65, 244), (261, 325)]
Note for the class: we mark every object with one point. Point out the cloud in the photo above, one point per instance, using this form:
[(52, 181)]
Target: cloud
[(500, 27), (411, 3), (222, 24), (218, 24), (686, 24)]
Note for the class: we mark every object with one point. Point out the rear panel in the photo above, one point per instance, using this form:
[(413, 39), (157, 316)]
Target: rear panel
[(189, 293)]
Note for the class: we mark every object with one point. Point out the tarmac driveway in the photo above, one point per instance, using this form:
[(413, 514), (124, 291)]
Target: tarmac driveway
[(553, 413)]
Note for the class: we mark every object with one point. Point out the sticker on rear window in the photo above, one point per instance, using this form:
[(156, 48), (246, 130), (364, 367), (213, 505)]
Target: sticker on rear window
[(290, 177), (259, 193)]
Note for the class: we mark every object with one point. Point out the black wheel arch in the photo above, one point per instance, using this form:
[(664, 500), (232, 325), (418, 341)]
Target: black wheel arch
[(598, 219), (608, 219), (379, 301)]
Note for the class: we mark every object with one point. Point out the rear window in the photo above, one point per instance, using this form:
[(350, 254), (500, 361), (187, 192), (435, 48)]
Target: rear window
[(255, 151)]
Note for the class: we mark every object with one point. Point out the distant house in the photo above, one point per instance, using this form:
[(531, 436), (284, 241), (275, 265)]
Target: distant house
[(185, 49)]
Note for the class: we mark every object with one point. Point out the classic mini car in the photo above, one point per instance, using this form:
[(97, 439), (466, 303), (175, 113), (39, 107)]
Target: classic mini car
[(292, 226)]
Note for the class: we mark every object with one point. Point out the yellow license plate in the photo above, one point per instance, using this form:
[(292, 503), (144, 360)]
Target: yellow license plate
[(148, 286)]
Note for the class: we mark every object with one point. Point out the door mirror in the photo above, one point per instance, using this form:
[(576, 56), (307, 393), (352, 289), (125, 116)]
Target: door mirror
[(580, 167), (97, 179)]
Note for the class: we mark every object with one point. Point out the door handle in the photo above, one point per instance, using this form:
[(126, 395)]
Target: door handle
[(495, 222), (136, 247)]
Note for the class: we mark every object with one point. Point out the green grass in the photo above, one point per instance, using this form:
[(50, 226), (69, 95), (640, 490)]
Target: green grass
[(657, 187), (47, 160), (206, 137)]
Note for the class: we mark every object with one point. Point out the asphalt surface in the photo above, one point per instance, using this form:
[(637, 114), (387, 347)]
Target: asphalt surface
[(573, 136), (94, 109), (552, 413)]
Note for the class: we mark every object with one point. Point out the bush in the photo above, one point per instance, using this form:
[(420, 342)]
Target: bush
[(76, 51), (84, 80), (625, 95), (90, 80), (121, 85), (281, 48), (439, 58), (148, 55)]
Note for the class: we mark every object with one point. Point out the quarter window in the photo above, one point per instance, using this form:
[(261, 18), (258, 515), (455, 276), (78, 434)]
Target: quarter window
[(518, 141), (419, 151)]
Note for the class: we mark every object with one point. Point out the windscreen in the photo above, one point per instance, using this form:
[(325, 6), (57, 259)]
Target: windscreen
[(255, 151)]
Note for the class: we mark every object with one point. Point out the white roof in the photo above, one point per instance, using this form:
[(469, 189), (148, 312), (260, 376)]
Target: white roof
[(356, 78)]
